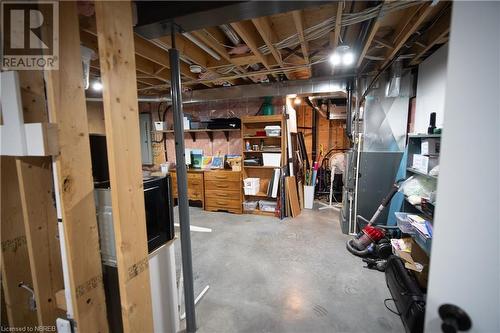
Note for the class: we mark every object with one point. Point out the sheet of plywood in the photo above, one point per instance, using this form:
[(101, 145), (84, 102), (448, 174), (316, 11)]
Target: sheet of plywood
[(121, 116), (293, 196), (74, 174)]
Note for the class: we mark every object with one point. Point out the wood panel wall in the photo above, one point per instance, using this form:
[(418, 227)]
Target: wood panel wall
[(329, 133)]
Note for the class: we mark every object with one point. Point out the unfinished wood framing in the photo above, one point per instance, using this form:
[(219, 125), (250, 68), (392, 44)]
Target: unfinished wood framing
[(221, 50), (246, 31), (116, 50), (74, 173), (38, 207), (297, 19), (369, 40), (263, 26), (40, 223), (435, 36), (15, 257), (407, 27)]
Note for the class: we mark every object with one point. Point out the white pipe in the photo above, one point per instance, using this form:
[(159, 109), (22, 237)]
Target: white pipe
[(201, 45), (357, 184)]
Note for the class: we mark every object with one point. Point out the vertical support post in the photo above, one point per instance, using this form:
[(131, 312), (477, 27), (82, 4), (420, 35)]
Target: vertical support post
[(74, 178), (187, 265), (121, 118)]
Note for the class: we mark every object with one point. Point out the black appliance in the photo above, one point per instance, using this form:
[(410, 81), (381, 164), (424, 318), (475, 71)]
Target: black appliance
[(224, 123), (99, 156), (409, 299), (158, 198), (159, 206)]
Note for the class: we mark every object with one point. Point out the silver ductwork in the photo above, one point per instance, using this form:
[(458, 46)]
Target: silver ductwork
[(312, 86), (230, 33), (299, 87)]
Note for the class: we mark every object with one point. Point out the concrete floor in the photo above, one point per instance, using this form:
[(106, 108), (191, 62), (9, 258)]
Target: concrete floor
[(295, 275)]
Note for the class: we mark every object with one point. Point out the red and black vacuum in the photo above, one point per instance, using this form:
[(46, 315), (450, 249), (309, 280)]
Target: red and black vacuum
[(371, 241)]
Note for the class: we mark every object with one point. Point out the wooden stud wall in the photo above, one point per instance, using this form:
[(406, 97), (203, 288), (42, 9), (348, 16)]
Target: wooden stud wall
[(74, 172), (116, 54), (38, 208), (15, 257)]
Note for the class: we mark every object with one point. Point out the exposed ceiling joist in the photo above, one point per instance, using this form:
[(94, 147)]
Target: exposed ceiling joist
[(369, 39), (335, 34), (247, 32), (263, 26), (408, 27), (383, 42), (338, 24), (208, 39), (145, 49), (244, 30), (297, 20), (435, 36)]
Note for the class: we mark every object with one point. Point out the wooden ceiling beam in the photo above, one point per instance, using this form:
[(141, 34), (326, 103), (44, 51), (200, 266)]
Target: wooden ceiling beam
[(246, 31), (407, 27), (435, 36), (299, 26), (263, 26), (371, 35), (383, 42), (335, 34), (208, 39), (338, 24), (144, 48), (143, 65)]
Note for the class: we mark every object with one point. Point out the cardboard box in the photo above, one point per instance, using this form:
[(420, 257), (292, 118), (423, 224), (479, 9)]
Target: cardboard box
[(415, 259), (424, 163), (422, 258), (430, 147)]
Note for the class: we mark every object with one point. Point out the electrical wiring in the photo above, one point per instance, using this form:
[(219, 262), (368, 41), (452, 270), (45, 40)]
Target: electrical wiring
[(388, 308), (217, 41), (323, 28)]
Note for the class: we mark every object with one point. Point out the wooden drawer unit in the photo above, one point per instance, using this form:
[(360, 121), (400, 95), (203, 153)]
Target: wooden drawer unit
[(223, 191), (195, 186), (223, 176)]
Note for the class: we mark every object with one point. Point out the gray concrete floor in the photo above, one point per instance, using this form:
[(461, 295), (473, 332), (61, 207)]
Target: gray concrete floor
[(295, 275)]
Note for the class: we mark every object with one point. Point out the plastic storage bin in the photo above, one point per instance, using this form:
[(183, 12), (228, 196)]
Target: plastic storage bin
[(308, 196), (273, 130), (403, 223), (267, 206), (271, 159), (251, 186), (250, 205)]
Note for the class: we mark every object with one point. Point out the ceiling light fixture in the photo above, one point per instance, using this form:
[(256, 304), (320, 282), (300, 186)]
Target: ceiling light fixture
[(196, 69), (97, 86), (342, 56)]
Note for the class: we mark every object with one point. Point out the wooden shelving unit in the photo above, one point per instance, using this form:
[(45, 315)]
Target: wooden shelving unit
[(249, 126), (414, 144), (209, 132)]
